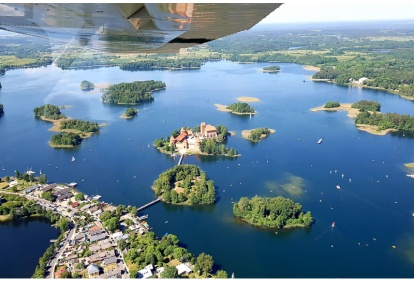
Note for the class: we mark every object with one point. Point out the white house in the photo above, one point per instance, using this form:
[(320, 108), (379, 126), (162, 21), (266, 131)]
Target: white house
[(182, 268), (146, 272)]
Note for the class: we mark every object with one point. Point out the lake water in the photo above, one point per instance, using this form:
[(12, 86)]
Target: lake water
[(373, 211)]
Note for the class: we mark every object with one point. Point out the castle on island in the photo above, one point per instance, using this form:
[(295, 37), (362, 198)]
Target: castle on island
[(187, 139)]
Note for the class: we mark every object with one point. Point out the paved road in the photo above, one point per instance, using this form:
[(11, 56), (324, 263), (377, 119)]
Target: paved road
[(51, 270)]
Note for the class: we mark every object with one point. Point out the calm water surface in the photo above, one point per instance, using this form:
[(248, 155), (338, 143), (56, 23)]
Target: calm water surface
[(372, 211)]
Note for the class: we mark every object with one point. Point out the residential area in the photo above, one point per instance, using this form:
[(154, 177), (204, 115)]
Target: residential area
[(107, 241)]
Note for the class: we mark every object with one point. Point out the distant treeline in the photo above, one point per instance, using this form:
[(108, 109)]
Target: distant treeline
[(162, 64), (132, 93)]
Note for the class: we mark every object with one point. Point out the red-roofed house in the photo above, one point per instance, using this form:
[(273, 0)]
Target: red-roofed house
[(75, 204)]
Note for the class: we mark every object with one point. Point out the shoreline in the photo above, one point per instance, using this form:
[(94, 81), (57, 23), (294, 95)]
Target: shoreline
[(352, 113)]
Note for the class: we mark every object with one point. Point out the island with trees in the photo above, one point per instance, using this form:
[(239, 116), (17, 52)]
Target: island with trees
[(258, 134), (277, 212), (367, 105), (132, 93), (129, 113), (185, 184), (204, 139), (241, 108), (48, 111), (87, 85), (71, 131), (271, 69), (332, 104), (63, 140)]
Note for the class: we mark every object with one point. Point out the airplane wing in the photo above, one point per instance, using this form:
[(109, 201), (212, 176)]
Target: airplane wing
[(132, 27)]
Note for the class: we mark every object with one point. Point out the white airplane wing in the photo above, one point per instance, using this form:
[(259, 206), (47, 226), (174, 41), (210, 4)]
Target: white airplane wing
[(132, 27)]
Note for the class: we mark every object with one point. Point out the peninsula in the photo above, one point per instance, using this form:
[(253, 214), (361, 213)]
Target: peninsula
[(258, 134), (99, 240), (204, 139), (367, 117), (277, 212), (185, 184)]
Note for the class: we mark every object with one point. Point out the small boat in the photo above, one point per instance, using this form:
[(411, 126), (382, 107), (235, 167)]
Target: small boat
[(338, 187), (149, 145), (73, 158), (319, 141), (410, 175), (166, 221), (333, 224)]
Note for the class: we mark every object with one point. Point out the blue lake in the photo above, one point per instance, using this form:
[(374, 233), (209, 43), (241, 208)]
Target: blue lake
[(372, 212)]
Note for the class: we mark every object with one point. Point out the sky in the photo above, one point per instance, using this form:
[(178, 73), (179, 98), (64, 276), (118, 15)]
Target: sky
[(300, 11)]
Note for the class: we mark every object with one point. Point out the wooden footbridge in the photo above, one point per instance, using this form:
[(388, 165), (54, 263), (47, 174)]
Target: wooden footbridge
[(150, 203)]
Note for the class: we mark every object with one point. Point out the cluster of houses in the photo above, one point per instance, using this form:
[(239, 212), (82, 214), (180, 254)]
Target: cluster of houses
[(187, 139), (104, 259)]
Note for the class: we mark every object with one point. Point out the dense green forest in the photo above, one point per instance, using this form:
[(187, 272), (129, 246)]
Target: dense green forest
[(49, 111), (256, 134), (132, 93), (332, 104), (160, 63), (386, 121), (66, 139), (86, 85), (192, 186), (274, 212), (241, 107), (131, 112), (367, 105), (80, 125)]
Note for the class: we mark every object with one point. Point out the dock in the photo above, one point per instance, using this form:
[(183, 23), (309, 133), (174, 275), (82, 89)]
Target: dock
[(150, 203), (181, 159)]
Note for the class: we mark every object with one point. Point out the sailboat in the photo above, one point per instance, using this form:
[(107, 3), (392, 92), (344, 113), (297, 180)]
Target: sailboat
[(333, 224), (73, 158)]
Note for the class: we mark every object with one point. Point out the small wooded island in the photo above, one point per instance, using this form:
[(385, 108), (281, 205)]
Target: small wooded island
[(204, 139), (241, 108), (271, 69), (277, 212), (74, 130), (87, 85), (129, 113), (131, 93), (258, 134), (185, 184)]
